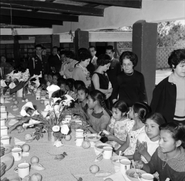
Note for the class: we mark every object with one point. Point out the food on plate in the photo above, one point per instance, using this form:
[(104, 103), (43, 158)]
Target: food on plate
[(94, 169), (68, 137), (36, 177), (34, 159), (25, 148), (134, 175)]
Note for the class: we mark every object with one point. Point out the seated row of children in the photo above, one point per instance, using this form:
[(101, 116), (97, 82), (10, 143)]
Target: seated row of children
[(156, 145)]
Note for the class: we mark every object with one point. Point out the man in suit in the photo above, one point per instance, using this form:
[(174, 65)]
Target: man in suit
[(38, 64), (54, 60), (114, 70)]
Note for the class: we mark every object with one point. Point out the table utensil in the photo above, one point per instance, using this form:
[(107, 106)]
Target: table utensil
[(78, 179), (135, 174)]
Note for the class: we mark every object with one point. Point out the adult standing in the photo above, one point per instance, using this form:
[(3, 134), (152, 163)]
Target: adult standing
[(169, 95), (131, 84), (54, 60), (93, 63), (80, 71), (5, 67), (100, 79), (38, 63), (114, 70)]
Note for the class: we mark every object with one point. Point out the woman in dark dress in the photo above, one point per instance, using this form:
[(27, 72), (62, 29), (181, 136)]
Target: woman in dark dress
[(131, 84), (100, 80)]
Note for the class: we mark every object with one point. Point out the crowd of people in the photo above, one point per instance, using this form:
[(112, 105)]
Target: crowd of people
[(112, 94)]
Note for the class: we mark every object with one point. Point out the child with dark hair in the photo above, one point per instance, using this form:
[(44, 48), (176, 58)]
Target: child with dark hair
[(169, 159), (78, 84), (82, 97), (138, 112), (119, 124), (99, 116), (148, 142)]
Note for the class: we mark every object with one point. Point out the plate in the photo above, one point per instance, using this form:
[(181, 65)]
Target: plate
[(8, 160), (130, 174)]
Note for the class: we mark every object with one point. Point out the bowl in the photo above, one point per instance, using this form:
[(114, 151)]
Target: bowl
[(116, 160), (93, 137), (99, 146), (131, 174)]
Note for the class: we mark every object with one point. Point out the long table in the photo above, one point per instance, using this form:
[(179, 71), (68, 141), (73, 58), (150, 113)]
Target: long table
[(77, 161)]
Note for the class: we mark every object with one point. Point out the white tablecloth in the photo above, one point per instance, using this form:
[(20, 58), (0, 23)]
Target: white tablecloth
[(77, 161)]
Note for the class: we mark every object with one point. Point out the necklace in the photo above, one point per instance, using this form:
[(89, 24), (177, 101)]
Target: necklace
[(130, 74)]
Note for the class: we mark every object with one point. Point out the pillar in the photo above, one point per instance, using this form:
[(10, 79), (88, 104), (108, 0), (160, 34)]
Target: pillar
[(16, 50), (144, 44), (81, 40)]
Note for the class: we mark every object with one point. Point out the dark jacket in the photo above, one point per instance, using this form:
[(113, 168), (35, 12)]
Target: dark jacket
[(54, 61), (36, 65), (113, 72), (131, 88), (164, 99)]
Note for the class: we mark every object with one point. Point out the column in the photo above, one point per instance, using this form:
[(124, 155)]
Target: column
[(144, 44)]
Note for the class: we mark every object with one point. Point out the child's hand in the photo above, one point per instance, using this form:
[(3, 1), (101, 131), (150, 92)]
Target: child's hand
[(142, 148)]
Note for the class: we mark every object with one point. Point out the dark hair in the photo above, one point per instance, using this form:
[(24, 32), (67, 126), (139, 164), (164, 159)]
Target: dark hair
[(78, 83), (103, 60), (157, 118), (70, 83), (38, 46), (121, 105), (176, 129), (129, 55), (142, 109), (62, 81), (55, 47), (110, 47), (92, 47), (68, 54), (59, 93), (96, 95), (83, 88), (83, 54), (176, 57)]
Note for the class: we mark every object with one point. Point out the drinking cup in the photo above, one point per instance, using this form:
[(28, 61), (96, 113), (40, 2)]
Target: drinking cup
[(147, 177), (2, 124), (17, 153), (124, 165), (4, 131), (79, 133), (23, 169), (79, 141), (5, 140), (107, 152)]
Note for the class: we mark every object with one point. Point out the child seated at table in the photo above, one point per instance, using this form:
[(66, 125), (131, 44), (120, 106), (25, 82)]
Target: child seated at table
[(148, 142), (82, 97), (169, 159), (99, 115), (49, 80), (63, 85), (77, 85), (138, 112), (119, 124)]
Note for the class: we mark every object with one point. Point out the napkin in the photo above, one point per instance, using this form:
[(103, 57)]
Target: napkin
[(10, 115), (117, 177), (2, 83), (12, 122), (65, 129), (18, 142), (58, 143)]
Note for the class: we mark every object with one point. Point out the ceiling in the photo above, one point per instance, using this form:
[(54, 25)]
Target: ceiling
[(45, 13)]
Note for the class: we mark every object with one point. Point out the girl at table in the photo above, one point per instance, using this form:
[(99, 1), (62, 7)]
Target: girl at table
[(119, 124), (138, 112), (148, 142), (99, 115), (169, 159), (82, 97)]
